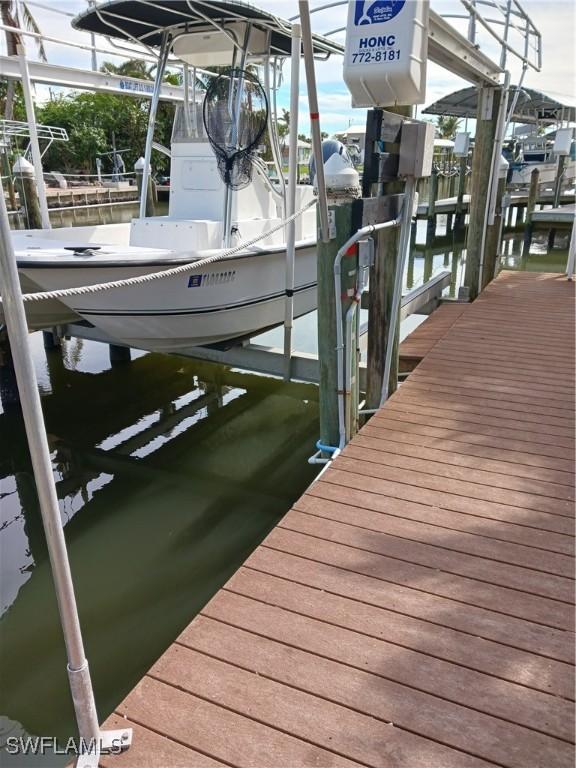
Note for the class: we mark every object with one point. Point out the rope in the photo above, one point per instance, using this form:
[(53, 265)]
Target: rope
[(66, 293)]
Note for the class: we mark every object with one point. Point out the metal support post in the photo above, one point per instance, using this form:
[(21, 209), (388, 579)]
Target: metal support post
[(314, 116), (78, 672), (291, 201)]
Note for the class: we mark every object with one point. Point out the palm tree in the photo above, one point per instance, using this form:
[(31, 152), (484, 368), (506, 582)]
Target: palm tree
[(132, 68), (9, 16), (447, 126)]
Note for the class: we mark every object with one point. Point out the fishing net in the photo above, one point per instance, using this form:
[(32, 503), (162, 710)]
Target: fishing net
[(235, 115)]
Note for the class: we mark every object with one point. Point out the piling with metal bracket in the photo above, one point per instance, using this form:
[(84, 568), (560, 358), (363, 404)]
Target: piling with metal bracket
[(557, 195), (432, 197), (383, 131), (482, 166), (494, 237), (532, 198), (460, 215), (340, 230)]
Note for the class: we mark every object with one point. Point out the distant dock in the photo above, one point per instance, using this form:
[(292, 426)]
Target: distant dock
[(415, 607)]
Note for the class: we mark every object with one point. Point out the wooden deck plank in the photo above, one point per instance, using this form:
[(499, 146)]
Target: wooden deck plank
[(344, 547), (419, 343), (452, 452), (460, 541), (418, 475), (415, 608), (467, 688), (431, 462), (528, 669), (380, 700), (526, 539), (363, 586)]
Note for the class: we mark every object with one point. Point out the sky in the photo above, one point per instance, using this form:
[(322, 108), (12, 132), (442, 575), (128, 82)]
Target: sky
[(556, 20)]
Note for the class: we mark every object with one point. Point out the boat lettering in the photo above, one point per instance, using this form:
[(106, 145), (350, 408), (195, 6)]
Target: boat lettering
[(211, 278)]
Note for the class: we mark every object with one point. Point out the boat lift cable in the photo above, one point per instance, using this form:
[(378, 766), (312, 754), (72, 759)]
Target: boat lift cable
[(65, 293)]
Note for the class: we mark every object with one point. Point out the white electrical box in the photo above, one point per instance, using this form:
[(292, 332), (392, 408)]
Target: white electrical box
[(416, 149), (563, 141), (385, 52), (461, 144)]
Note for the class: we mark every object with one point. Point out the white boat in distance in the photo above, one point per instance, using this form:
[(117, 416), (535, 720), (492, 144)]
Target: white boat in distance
[(235, 297)]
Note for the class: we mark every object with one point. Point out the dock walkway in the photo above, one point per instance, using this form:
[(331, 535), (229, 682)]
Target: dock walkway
[(414, 609), (416, 346)]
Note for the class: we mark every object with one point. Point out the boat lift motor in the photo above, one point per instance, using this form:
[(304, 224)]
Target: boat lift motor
[(386, 51)]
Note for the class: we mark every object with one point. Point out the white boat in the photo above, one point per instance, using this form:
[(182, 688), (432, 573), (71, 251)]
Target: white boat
[(536, 151), (242, 294)]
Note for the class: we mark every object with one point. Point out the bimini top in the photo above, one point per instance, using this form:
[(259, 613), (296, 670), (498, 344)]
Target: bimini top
[(531, 107), (146, 21)]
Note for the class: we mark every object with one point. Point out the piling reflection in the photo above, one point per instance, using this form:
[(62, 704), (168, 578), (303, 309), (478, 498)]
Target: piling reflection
[(168, 472)]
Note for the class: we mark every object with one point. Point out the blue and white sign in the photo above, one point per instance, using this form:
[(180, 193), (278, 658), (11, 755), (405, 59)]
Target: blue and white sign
[(386, 51), (376, 11)]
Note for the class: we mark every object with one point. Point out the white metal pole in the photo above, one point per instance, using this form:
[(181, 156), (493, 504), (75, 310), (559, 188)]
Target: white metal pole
[(162, 59), (13, 306), (308, 49), (292, 180), (403, 248), (34, 145)]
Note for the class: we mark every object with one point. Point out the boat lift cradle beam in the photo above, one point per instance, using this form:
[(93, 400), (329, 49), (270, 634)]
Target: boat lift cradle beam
[(86, 80)]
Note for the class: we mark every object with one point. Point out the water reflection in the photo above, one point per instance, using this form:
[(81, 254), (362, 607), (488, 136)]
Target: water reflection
[(168, 473)]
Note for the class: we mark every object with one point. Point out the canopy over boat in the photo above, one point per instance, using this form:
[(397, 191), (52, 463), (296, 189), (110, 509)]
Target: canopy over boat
[(146, 21), (531, 107)]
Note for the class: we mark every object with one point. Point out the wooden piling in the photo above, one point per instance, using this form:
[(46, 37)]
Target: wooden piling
[(493, 238), (341, 225), (9, 180), (9, 395), (532, 197), (382, 127), (460, 216), (486, 124), (557, 195), (432, 197), (28, 194)]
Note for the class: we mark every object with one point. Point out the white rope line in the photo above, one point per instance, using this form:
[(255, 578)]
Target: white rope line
[(65, 293)]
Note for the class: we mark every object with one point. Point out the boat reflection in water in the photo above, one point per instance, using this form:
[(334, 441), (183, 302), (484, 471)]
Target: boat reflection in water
[(169, 473)]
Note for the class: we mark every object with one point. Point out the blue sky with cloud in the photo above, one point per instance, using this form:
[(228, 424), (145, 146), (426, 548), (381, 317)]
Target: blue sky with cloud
[(555, 19)]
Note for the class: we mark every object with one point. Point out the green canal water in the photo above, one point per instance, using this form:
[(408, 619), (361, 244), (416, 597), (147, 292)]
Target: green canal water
[(169, 473)]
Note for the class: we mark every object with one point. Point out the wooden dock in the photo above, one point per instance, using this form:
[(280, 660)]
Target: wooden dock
[(449, 204), (418, 344), (414, 609)]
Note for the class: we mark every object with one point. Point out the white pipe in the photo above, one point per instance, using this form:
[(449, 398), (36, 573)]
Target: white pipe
[(34, 145), (363, 232), (79, 676), (291, 200), (186, 84), (571, 263), (164, 51), (314, 116), (403, 248)]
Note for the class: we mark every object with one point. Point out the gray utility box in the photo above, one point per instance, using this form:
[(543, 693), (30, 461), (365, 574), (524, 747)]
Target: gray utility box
[(416, 149)]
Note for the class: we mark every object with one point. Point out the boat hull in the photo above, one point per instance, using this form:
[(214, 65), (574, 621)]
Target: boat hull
[(234, 298)]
